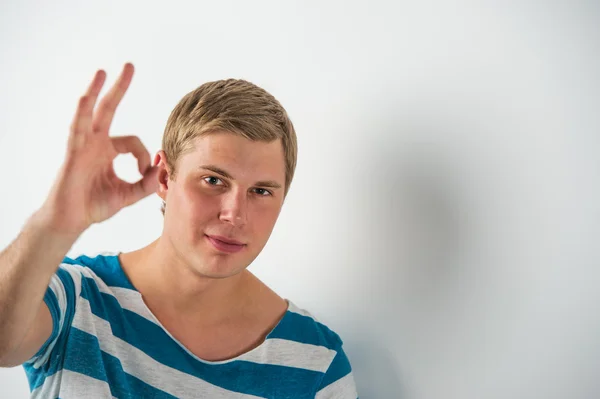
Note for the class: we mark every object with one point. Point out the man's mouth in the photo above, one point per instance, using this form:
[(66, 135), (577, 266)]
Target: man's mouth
[(225, 244)]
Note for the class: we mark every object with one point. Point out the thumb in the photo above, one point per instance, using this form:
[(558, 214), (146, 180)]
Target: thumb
[(148, 184)]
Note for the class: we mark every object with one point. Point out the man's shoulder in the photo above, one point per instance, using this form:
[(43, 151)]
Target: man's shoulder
[(302, 326), (102, 268)]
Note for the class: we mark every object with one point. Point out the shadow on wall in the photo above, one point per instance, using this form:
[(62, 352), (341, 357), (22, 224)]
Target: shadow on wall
[(407, 249), (376, 372)]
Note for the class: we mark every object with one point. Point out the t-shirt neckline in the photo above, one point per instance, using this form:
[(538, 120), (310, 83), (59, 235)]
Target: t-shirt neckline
[(117, 265)]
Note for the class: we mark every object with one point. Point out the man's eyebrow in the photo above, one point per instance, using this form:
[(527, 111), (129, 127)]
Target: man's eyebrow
[(217, 170)]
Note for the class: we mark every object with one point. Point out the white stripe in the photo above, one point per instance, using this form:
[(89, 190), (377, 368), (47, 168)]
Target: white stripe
[(75, 272), (127, 298), (138, 364), (345, 387), (58, 289), (69, 384), (132, 301), (295, 309), (283, 352), (49, 388)]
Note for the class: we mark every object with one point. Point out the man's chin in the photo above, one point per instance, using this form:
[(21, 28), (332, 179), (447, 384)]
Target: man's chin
[(218, 274), (218, 268)]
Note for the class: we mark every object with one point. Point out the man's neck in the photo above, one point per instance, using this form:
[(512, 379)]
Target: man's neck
[(169, 286)]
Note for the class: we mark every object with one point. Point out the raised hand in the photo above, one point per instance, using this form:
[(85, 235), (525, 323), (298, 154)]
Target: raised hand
[(87, 190)]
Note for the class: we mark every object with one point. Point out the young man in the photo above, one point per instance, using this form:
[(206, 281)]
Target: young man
[(181, 317)]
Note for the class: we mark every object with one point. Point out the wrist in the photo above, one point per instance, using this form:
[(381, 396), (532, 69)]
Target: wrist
[(50, 223)]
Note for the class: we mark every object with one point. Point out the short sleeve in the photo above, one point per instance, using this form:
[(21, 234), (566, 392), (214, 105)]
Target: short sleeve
[(61, 298), (338, 382)]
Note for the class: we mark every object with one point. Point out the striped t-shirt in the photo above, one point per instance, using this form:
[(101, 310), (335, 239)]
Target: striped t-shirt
[(106, 343)]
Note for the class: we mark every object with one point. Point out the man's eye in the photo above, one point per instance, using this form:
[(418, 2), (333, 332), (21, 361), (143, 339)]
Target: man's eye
[(262, 192), (212, 180)]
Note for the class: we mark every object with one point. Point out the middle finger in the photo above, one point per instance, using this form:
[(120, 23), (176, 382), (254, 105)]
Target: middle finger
[(108, 105)]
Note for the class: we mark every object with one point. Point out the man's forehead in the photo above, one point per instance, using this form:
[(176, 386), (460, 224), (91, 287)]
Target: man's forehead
[(238, 155), (224, 143)]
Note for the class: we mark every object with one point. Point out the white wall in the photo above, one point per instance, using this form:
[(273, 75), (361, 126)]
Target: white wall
[(445, 210)]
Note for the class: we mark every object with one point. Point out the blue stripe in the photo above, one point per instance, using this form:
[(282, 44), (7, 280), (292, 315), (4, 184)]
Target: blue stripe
[(86, 358), (84, 355), (340, 367), (306, 330), (239, 376)]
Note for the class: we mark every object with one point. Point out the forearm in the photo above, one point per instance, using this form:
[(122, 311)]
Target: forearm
[(26, 267)]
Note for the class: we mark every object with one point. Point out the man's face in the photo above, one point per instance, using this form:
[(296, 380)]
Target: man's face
[(227, 189)]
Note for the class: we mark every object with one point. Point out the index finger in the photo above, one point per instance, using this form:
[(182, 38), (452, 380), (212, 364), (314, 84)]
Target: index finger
[(82, 121), (108, 105)]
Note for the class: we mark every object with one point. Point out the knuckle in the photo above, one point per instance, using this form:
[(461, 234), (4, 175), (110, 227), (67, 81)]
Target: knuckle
[(106, 105), (135, 142), (138, 142), (75, 144), (75, 127)]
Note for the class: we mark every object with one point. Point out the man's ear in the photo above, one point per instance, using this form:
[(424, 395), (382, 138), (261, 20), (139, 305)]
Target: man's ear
[(160, 160)]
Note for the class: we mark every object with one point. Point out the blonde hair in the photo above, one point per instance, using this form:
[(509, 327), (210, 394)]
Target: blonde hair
[(233, 105)]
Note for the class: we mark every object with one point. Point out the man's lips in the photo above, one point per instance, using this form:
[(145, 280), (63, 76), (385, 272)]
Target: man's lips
[(225, 244), (227, 240)]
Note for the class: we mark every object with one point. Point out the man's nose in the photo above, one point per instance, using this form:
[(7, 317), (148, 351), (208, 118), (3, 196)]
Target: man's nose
[(234, 208)]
